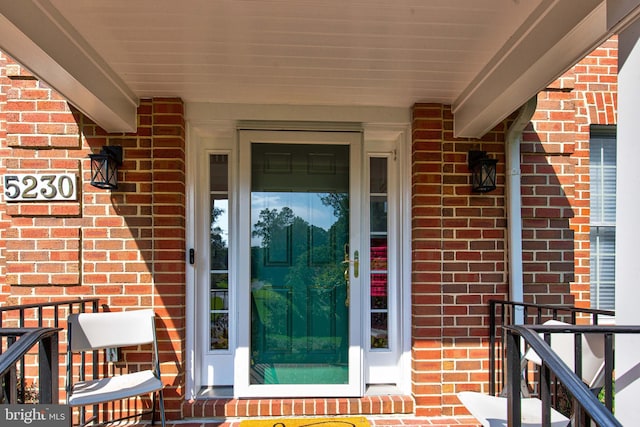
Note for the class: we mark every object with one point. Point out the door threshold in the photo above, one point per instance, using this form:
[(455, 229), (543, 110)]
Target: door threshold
[(213, 392), (382, 390)]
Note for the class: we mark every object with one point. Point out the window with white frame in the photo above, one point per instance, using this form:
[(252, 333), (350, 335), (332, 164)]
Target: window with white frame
[(602, 157)]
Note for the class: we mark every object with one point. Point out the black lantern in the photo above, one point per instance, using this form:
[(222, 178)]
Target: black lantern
[(104, 167), (483, 171)]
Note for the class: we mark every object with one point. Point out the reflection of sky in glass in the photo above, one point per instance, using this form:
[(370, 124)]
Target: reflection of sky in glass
[(307, 206), (222, 221)]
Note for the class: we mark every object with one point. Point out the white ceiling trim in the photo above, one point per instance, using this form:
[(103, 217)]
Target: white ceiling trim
[(559, 32), (36, 35), (555, 35), (205, 118)]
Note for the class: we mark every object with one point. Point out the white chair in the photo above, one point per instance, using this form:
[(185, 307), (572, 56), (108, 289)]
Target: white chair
[(97, 331), (491, 411), (592, 354)]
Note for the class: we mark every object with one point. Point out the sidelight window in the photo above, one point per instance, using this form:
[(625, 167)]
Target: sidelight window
[(379, 239), (219, 244)]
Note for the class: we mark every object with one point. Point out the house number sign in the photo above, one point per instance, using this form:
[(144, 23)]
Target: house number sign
[(40, 187)]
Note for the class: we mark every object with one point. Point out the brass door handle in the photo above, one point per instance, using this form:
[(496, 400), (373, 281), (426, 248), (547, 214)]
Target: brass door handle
[(355, 262), (356, 270)]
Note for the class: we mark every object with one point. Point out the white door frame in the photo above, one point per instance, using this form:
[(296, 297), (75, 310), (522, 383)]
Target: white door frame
[(219, 123), (242, 385)]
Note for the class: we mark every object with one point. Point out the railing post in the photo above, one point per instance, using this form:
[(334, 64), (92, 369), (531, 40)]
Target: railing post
[(608, 371), (23, 381), (11, 386), (545, 394), (48, 369), (12, 380), (514, 409), (579, 415)]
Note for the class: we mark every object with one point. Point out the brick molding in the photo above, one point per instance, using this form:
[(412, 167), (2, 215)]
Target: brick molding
[(368, 405)]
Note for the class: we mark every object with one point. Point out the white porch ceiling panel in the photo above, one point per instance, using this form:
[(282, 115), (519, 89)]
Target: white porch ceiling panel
[(483, 57)]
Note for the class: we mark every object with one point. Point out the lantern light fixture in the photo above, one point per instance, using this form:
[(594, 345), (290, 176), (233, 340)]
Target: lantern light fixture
[(483, 171), (104, 167)]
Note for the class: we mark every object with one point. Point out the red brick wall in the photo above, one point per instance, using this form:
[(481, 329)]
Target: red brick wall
[(43, 240), (126, 246), (596, 102), (459, 259), (558, 138), (459, 247), (548, 181), (459, 239), (5, 223)]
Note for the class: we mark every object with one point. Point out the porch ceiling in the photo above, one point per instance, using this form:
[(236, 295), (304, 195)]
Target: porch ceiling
[(485, 58)]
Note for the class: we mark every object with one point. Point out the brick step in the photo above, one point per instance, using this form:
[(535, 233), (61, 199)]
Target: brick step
[(229, 407)]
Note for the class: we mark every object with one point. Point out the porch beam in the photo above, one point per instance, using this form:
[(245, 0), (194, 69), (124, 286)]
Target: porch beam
[(557, 35), (36, 35)]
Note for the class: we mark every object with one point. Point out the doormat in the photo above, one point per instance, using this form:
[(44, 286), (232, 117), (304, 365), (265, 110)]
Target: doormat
[(307, 422)]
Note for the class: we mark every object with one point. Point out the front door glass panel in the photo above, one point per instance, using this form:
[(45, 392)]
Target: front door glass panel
[(299, 238)]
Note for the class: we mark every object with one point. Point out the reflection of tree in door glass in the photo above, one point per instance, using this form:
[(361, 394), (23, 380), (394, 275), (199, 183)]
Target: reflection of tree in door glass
[(302, 262), (299, 228)]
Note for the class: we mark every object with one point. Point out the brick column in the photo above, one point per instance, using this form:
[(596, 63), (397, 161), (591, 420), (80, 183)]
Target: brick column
[(169, 244), (426, 276), (459, 261)]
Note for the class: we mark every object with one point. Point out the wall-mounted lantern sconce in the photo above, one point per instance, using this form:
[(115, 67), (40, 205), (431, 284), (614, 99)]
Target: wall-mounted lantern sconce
[(483, 171), (104, 167)]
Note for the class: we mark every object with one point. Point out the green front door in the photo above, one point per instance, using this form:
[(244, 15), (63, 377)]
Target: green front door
[(299, 218)]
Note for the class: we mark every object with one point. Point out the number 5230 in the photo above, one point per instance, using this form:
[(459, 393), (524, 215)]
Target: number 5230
[(40, 187)]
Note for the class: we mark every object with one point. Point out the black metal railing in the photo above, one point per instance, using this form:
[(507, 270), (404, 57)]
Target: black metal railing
[(18, 326), (508, 313), (45, 312), (586, 409), (16, 343)]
